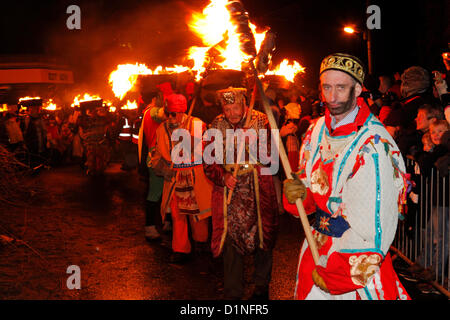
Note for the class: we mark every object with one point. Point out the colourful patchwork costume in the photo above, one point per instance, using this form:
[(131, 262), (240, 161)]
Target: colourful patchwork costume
[(356, 186)]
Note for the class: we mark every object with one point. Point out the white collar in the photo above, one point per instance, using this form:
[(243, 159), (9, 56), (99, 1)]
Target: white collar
[(349, 118)]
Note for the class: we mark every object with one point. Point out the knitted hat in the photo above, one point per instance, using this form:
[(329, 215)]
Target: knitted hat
[(176, 103)]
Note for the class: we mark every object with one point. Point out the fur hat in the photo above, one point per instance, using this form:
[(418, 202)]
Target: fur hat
[(415, 79), (231, 95)]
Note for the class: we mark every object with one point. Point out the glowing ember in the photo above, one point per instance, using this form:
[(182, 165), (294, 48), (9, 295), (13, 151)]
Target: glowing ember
[(129, 105), (215, 28), (85, 97), (287, 69)]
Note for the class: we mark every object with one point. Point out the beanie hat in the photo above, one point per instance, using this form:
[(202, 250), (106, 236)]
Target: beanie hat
[(176, 103)]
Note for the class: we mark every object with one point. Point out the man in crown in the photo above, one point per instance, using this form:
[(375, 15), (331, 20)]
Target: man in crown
[(352, 177)]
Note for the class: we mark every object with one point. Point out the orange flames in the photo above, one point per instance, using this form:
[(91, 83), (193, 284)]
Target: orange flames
[(220, 38), (287, 69), (130, 105), (125, 76), (108, 104), (215, 29), (28, 98), (85, 97), (50, 105)]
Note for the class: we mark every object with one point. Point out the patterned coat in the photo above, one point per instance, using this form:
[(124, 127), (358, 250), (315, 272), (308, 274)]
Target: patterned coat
[(356, 185), (251, 218)]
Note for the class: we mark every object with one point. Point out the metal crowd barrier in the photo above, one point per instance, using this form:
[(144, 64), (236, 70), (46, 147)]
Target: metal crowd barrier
[(423, 236)]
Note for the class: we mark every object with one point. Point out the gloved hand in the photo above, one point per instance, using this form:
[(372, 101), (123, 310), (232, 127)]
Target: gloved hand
[(318, 280), (294, 189)]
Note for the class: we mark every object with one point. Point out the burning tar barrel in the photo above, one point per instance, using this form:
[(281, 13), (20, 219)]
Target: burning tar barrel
[(178, 81), (221, 79), (224, 78), (91, 105), (30, 103)]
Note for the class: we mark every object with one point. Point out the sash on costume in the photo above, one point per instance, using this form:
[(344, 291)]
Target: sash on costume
[(184, 193)]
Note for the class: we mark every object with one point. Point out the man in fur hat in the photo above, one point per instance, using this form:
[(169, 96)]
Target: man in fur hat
[(415, 92), (352, 176), (247, 225)]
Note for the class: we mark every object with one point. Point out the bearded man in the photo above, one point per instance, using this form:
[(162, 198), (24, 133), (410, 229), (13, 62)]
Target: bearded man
[(352, 176), (186, 190)]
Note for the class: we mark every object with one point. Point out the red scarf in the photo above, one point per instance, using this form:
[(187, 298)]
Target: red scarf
[(363, 114)]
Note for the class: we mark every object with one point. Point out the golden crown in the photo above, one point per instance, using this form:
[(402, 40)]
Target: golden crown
[(231, 95), (346, 63)]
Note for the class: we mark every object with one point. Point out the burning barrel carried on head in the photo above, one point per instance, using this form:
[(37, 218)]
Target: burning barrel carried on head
[(221, 79), (148, 84)]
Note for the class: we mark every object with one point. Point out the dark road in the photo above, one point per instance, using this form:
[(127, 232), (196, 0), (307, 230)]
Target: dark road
[(98, 225)]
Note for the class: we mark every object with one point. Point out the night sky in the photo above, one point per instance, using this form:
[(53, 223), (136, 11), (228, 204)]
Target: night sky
[(155, 32)]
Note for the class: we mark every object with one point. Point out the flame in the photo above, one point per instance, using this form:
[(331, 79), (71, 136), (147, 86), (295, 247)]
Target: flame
[(50, 105), (108, 104), (130, 105), (28, 98), (198, 55), (85, 97), (176, 69), (125, 76), (214, 25), (4, 107), (287, 69), (259, 36)]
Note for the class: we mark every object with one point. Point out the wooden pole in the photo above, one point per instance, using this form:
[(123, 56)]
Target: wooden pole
[(288, 172), (191, 108)]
